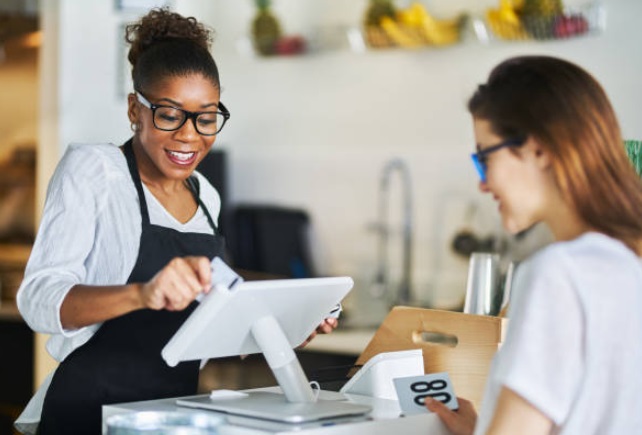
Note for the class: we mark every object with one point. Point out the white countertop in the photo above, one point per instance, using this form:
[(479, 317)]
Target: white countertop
[(384, 419)]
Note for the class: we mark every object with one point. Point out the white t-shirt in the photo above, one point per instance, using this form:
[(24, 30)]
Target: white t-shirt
[(574, 343), (89, 234)]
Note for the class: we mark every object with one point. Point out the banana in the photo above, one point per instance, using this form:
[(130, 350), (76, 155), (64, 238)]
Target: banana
[(517, 4), (398, 35), (437, 32), (507, 12), (504, 22), (408, 17)]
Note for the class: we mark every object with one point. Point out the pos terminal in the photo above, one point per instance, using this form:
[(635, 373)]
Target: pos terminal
[(271, 317)]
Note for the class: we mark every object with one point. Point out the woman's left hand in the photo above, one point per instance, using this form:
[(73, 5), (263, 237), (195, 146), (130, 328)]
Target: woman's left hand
[(327, 326), (460, 422)]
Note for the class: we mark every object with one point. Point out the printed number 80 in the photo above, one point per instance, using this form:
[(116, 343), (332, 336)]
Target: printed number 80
[(425, 387)]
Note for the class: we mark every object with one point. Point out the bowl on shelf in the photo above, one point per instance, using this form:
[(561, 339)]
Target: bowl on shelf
[(508, 25)]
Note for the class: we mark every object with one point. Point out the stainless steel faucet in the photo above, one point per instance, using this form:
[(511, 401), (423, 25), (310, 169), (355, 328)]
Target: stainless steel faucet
[(403, 294)]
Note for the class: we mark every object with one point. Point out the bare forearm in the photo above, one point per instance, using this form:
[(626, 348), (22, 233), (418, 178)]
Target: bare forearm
[(173, 288), (514, 414), (86, 305)]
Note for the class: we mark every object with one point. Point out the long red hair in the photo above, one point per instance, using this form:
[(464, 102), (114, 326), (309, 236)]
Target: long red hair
[(566, 111)]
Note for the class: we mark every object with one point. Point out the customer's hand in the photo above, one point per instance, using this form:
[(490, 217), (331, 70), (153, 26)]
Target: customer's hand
[(460, 422), (327, 326), (177, 284)]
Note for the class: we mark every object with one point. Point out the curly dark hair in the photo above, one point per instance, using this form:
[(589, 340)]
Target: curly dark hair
[(166, 44)]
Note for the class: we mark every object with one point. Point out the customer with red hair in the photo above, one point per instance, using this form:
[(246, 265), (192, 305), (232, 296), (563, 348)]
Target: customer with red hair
[(549, 150)]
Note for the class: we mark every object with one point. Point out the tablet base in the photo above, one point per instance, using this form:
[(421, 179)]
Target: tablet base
[(275, 407)]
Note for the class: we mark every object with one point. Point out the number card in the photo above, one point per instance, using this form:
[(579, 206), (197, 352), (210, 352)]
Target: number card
[(413, 390)]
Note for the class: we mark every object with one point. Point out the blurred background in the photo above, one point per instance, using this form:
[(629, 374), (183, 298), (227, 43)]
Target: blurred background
[(313, 128), (347, 152)]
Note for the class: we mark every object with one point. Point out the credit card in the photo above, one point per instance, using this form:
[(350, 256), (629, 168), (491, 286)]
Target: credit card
[(222, 274)]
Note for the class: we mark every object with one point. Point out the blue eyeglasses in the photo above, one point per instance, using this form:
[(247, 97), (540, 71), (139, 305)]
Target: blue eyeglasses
[(481, 156)]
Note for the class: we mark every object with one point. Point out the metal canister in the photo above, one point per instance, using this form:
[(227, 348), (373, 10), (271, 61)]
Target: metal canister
[(483, 284)]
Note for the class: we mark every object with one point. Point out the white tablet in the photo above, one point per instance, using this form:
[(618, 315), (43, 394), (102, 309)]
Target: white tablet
[(271, 317), (222, 324)]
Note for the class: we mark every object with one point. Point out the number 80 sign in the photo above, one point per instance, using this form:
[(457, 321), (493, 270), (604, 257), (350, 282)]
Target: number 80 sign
[(412, 392)]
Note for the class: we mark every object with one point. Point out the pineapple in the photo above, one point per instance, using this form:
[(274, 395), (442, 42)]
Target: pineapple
[(266, 30), (545, 8), (379, 9), (538, 17)]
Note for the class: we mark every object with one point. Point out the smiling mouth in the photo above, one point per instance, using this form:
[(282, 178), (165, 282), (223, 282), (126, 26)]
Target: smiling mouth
[(181, 158)]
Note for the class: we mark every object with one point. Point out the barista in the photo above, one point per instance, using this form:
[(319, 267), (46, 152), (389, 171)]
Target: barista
[(126, 238)]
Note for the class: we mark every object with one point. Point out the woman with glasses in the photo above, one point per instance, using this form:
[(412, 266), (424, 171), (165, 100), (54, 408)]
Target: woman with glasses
[(549, 150), (126, 238)]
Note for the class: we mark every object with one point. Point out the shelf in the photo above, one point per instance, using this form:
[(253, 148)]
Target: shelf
[(13, 259), (316, 40), (341, 342), (14, 254), (9, 312), (575, 22), (578, 21)]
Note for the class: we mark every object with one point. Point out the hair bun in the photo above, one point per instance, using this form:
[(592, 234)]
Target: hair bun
[(162, 24)]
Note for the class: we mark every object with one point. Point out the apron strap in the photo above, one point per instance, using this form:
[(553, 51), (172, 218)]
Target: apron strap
[(133, 170), (195, 188)]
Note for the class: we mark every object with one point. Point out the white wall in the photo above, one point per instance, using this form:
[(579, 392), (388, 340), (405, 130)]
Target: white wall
[(314, 131)]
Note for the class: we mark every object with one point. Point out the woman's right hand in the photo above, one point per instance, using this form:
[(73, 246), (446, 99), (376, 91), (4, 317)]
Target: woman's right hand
[(460, 422), (176, 285)]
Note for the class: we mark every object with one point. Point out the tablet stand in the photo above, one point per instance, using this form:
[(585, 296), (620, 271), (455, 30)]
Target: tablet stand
[(282, 360)]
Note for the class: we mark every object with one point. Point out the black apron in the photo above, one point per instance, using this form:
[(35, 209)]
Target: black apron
[(122, 361)]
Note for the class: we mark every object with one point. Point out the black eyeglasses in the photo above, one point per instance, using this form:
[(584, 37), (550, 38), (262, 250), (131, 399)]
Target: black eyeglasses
[(481, 156), (168, 118)]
